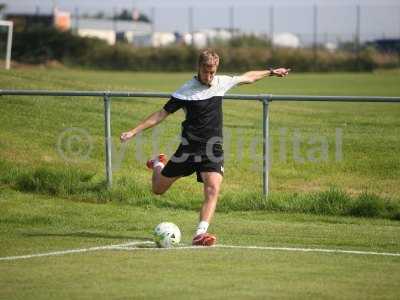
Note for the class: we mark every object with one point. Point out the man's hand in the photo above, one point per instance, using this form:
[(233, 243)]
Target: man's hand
[(280, 72), (126, 136)]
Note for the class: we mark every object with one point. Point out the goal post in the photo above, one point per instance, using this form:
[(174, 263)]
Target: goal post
[(9, 26)]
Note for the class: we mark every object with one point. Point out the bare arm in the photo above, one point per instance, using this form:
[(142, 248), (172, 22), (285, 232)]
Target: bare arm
[(149, 122), (253, 76)]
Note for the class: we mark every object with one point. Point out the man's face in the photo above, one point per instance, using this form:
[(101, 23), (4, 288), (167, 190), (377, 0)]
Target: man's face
[(207, 73)]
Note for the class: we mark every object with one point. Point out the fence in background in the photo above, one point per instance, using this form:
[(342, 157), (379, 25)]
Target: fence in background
[(265, 99)]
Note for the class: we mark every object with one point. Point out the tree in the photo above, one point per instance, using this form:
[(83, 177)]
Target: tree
[(127, 16), (2, 7), (99, 15), (124, 15)]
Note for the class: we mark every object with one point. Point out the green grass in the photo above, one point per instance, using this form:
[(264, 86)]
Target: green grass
[(31, 224)]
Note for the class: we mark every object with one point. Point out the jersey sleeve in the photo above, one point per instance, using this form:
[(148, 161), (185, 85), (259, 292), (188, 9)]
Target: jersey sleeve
[(227, 82), (173, 105)]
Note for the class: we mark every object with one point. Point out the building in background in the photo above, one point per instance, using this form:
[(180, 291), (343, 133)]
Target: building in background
[(59, 19), (62, 19), (113, 30)]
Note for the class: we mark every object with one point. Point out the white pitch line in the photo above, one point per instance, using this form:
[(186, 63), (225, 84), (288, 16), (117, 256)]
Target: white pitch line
[(341, 251), (63, 252), (311, 250), (132, 246)]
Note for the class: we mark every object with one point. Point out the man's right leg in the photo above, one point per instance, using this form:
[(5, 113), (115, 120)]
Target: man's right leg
[(161, 183)]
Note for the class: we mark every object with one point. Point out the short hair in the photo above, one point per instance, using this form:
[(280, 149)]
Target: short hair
[(208, 57)]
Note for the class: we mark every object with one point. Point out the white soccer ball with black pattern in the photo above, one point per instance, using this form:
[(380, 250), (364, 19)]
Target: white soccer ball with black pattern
[(167, 235)]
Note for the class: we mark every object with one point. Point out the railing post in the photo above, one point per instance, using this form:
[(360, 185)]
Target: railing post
[(107, 134), (265, 100), (9, 46)]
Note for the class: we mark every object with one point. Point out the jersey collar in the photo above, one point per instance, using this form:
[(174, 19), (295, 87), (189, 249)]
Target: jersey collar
[(207, 85)]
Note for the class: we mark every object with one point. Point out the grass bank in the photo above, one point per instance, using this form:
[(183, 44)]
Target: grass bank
[(80, 185)]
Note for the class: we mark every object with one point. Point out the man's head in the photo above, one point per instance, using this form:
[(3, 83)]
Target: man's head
[(208, 65)]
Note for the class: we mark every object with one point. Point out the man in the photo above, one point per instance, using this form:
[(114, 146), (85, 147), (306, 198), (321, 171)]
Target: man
[(201, 148)]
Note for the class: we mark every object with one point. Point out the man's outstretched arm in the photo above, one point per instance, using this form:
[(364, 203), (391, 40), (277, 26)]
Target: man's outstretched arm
[(149, 122), (253, 76)]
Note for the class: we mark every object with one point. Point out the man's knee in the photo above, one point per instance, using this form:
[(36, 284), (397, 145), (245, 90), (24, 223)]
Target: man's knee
[(158, 190), (212, 190), (160, 184), (212, 183)]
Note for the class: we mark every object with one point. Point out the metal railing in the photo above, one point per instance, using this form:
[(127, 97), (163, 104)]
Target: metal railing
[(264, 98)]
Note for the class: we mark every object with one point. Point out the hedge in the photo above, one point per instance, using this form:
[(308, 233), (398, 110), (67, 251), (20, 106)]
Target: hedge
[(39, 45)]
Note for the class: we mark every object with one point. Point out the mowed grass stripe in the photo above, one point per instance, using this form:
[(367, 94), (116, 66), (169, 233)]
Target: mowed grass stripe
[(223, 274)]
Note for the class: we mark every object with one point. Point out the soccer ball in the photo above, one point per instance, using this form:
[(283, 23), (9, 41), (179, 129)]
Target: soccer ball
[(167, 235)]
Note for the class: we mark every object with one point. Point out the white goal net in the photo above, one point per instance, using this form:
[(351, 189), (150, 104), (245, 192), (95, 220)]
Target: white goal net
[(6, 32)]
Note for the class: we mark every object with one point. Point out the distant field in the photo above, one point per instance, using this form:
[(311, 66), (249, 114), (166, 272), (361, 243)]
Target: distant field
[(53, 199)]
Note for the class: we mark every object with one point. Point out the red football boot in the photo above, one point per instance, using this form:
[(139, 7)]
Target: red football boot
[(204, 239), (159, 158)]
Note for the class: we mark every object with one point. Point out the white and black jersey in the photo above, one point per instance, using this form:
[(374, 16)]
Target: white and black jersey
[(202, 105)]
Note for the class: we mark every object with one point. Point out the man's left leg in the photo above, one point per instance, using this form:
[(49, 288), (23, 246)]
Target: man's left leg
[(212, 184)]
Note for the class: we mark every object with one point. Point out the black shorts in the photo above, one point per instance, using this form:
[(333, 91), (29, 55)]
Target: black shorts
[(183, 163)]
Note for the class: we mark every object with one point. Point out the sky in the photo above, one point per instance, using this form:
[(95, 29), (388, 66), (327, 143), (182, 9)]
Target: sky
[(336, 19)]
